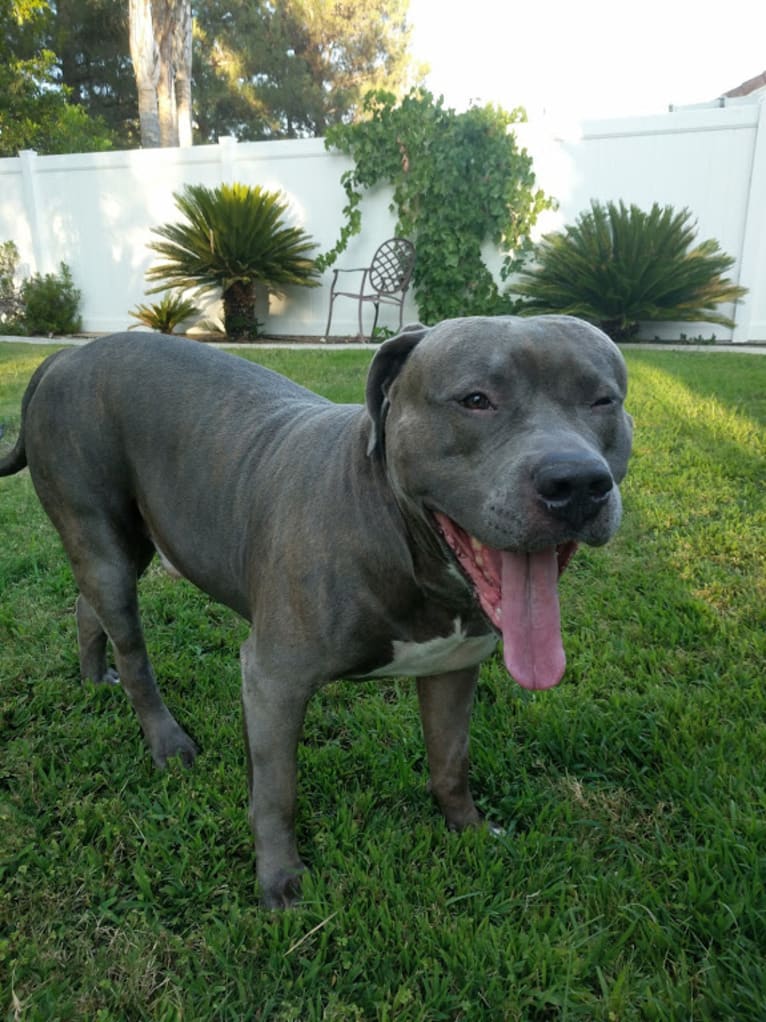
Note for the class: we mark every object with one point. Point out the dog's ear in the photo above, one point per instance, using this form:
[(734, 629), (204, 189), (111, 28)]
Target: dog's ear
[(386, 366)]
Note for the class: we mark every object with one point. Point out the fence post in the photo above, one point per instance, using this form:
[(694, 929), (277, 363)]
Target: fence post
[(37, 226), (752, 267), (228, 150)]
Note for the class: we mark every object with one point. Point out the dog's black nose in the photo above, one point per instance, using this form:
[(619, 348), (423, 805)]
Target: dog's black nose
[(573, 487)]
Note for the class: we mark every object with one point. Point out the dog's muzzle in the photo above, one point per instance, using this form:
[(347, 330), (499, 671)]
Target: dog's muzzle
[(573, 487)]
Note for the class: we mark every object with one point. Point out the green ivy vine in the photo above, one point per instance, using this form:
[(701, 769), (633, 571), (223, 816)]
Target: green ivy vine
[(459, 180)]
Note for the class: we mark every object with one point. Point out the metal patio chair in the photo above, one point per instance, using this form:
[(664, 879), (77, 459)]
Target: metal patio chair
[(384, 282)]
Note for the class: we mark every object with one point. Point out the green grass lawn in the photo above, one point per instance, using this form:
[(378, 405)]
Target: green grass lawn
[(631, 880)]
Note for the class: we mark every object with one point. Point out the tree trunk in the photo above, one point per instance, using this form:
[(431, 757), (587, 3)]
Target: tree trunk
[(166, 105), (182, 62), (184, 110), (144, 53), (239, 319), (163, 17), (161, 50)]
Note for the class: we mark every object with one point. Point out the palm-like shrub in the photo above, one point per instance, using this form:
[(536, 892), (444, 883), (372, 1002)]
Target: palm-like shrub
[(618, 265), (233, 238), (166, 314)]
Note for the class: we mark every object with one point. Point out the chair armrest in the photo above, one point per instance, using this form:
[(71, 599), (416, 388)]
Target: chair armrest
[(359, 288)]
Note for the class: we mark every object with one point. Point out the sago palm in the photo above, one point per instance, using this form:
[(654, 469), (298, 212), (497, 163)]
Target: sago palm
[(618, 265), (233, 238), (166, 314)]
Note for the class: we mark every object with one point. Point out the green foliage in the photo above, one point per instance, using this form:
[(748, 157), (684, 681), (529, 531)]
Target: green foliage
[(628, 882), (11, 304), (291, 69), (91, 41), (261, 70), (233, 238), (459, 180), (44, 304), (51, 303), (166, 314), (618, 265), (34, 109)]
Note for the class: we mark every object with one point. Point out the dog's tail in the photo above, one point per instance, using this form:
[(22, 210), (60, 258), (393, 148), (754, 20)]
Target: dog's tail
[(16, 459)]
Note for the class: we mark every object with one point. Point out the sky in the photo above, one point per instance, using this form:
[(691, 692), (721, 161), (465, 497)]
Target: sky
[(587, 59)]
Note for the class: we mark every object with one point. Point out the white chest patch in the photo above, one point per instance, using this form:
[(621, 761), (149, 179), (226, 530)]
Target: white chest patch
[(435, 656)]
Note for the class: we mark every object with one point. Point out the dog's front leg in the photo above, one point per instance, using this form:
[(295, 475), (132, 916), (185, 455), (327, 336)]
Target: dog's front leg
[(446, 702), (273, 713)]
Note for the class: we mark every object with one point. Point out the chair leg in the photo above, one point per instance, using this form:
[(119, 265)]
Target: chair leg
[(375, 320), (329, 317)]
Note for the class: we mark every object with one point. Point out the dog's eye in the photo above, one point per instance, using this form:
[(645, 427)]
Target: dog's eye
[(476, 402), (603, 402)]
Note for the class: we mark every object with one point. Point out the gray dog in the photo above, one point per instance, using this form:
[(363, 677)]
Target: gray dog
[(400, 538)]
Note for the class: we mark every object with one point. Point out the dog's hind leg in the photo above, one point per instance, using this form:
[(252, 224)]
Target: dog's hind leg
[(107, 568), (91, 640), (91, 637)]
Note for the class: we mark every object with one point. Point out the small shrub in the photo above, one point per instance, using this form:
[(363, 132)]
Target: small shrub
[(618, 265), (166, 314), (51, 303), (11, 304)]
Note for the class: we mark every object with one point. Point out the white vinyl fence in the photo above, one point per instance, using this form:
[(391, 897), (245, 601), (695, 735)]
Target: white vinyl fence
[(94, 211)]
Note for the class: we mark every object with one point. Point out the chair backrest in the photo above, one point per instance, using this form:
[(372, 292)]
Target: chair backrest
[(392, 265)]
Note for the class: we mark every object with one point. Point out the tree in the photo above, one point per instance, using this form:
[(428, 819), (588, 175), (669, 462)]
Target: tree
[(232, 238), (91, 41), (292, 69), (161, 51), (35, 112), (260, 69)]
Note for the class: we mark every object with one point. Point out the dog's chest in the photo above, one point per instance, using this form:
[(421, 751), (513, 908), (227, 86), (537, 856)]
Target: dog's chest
[(451, 652)]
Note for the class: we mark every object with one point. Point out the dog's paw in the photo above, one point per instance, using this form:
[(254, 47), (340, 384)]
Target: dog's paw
[(101, 676), (283, 890), (173, 741)]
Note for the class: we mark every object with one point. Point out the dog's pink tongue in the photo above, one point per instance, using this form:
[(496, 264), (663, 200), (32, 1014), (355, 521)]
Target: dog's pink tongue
[(532, 646)]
